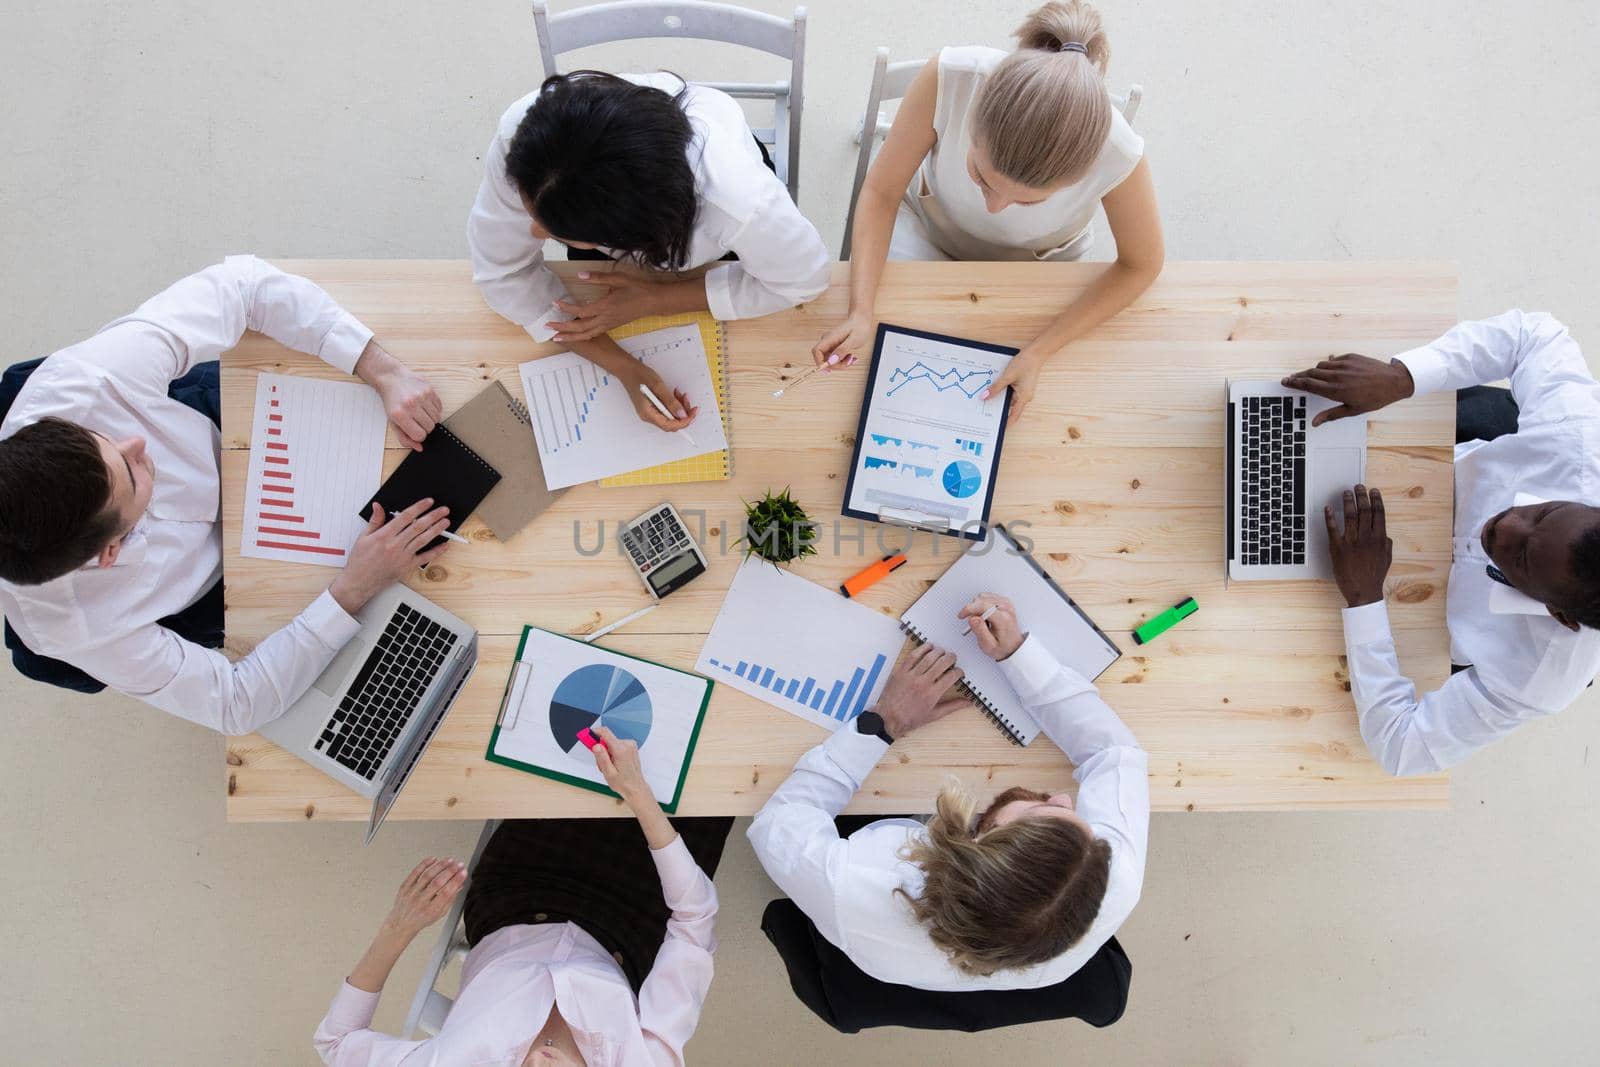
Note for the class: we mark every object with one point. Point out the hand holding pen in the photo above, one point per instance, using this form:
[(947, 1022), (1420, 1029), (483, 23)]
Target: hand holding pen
[(992, 621)]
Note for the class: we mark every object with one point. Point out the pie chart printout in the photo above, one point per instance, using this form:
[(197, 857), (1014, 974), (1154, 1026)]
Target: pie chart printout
[(599, 695), (961, 479)]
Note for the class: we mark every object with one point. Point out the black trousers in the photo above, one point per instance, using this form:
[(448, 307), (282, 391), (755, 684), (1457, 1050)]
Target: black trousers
[(596, 873)]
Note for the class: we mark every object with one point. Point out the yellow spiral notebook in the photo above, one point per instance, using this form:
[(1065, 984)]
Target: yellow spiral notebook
[(713, 466)]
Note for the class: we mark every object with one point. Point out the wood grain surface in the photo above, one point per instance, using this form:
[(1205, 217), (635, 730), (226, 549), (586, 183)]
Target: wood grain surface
[(1115, 473)]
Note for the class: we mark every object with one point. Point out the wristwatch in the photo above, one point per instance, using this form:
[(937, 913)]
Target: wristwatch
[(871, 724)]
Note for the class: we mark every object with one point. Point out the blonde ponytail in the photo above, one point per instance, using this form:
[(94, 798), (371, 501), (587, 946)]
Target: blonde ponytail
[(1043, 115)]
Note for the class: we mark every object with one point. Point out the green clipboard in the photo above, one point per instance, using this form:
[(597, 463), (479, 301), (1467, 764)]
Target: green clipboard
[(582, 783)]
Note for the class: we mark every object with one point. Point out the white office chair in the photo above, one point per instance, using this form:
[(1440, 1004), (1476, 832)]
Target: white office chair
[(890, 82), (627, 20), (429, 1006)]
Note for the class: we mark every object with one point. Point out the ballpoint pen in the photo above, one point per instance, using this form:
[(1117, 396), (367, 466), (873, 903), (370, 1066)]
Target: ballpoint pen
[(665, 414)]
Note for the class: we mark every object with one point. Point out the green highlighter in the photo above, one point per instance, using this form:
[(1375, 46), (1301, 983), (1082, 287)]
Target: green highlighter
[(1159, 625)]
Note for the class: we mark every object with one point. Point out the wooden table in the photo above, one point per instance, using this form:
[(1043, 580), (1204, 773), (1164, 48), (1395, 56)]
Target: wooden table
[(1117, 466)]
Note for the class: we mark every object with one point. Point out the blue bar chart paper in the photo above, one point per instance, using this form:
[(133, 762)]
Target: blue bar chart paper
[(800, 646)]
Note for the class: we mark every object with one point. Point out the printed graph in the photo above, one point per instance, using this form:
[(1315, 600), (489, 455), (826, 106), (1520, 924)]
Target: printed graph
[(841, 699), (975, 447), (969, 383), (569, 394), (316, 455)]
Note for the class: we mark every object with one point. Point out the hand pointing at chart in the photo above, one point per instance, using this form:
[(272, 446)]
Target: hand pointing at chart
[(1022, 375)]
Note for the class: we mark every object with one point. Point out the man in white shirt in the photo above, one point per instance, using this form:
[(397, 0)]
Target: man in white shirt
[(1018, 898), (110, 499), (1524, 593)]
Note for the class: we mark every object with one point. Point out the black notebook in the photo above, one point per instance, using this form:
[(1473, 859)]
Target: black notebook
[(447, 470)]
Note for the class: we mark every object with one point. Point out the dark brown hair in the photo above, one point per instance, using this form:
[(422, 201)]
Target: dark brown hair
[(1003, 897), (55, 494)]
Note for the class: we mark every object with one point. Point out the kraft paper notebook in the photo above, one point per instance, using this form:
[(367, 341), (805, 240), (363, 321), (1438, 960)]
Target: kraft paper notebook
[(495, 425), (713, 466), (560, 685), (999, 565)]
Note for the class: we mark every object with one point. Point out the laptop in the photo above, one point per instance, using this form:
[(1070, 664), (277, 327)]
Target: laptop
[(1280, 473), (366, 720)]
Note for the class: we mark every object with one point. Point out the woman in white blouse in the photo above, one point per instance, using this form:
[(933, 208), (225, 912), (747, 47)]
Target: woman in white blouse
[(660, 176), (575, 959), (997, 156)]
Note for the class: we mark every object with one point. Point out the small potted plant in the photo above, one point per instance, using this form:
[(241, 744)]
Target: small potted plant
[(777, 529)]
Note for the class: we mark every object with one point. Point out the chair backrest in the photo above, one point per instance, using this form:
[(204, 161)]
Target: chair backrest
[(628, 20), (890, 81), (849, 1000), (429, 1006)]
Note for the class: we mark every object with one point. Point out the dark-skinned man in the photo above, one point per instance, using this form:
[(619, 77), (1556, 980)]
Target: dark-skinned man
[(1524, 596)]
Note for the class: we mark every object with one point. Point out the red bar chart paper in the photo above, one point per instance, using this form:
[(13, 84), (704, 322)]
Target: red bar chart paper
[(316, 456)]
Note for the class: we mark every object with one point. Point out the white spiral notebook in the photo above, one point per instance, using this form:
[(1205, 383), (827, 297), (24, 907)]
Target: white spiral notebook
[(999, 565)]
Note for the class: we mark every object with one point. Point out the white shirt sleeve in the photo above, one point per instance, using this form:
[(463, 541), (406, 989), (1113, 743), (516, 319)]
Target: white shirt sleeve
[(674, 992), (1112, 771), (197, 319), (1411, 736), (1549, 376), (782, 261), (345, 1037), (794, 835), (507, 261), (200, 684)]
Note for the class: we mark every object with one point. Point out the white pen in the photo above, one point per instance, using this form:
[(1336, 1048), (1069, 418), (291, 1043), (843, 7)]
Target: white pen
[(457, 538), (988, 613), (648, 395), (620, 622)]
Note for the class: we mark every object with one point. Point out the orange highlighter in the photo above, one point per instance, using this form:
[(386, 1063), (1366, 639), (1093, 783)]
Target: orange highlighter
[(873, 574)]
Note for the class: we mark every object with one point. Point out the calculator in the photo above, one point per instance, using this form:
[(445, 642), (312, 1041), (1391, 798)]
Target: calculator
[(662, 551)]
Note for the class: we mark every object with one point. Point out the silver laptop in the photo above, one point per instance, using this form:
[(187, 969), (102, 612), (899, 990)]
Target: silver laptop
[(1280, 472), (366, 720)]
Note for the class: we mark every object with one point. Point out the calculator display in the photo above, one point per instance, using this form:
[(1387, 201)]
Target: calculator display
[(664, 574)]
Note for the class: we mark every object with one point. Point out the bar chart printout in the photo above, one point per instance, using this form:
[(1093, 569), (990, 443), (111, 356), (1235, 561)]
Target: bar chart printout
[(799, 646), (316, 456)]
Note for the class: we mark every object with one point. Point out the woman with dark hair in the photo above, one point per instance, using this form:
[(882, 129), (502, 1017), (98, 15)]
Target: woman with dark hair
[(662, 177)]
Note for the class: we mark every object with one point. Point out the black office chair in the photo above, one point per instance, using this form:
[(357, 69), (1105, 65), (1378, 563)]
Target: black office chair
[(850, 1000)]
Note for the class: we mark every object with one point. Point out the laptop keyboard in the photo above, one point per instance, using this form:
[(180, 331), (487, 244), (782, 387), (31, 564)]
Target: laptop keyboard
[(1272, 504), (378, 704)]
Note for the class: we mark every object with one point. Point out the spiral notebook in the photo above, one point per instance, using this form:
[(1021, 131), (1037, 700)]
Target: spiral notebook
[(712, 466), (495, 425), (999, 565), (447, 470)]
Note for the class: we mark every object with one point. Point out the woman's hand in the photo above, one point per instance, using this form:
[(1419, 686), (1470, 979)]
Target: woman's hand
[(1000, 635), (625, 297), (676, 400), (1022, 375), (843, 343), (618, 761), (425, 896)]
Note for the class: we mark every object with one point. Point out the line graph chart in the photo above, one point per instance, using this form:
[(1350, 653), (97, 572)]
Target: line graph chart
[(968, 383)]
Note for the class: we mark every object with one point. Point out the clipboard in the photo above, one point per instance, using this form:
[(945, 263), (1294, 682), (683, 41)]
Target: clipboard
[(926, 451)]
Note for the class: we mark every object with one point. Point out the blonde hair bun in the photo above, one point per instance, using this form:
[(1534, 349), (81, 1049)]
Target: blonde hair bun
[(1057, 24)]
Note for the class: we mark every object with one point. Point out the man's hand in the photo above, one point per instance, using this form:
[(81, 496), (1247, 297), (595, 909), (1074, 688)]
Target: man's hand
[(425, 896), (1363, 552), (676, 400), (1022, 375), (408, 399), (1001, 635), (625, 297), (1358, 383), (387, 551), (916, 693)]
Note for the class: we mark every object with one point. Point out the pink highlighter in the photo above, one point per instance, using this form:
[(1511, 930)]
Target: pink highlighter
[(590, 741)]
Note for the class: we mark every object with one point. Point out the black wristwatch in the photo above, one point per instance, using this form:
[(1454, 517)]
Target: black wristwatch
[(871, 724)]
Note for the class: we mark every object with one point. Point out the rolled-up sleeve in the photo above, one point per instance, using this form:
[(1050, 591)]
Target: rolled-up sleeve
[(782, 261)]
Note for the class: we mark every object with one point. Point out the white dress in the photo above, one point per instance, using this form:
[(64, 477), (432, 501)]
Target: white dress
[(943, 214)]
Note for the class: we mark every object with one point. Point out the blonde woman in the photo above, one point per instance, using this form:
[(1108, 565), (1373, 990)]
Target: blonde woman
[(997, 156), (1021, 896)]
